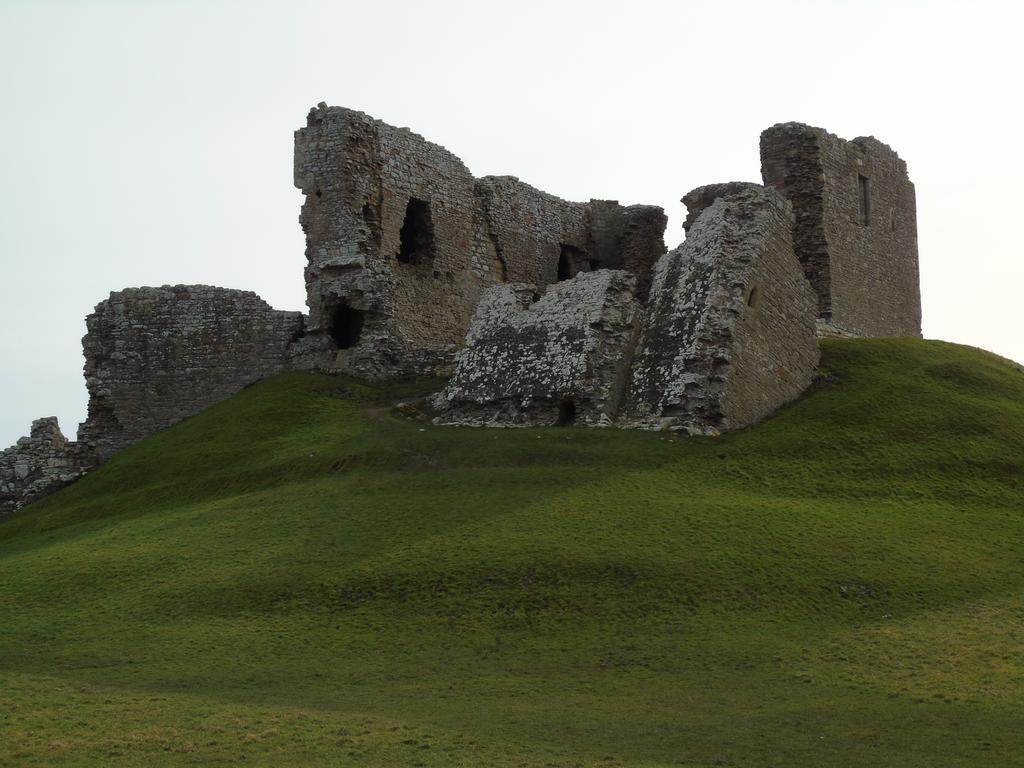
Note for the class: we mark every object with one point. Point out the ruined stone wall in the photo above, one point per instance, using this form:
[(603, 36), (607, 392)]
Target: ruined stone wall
[(154, 356), (855, 226), (528, 228), (381, 309), (729, 329), (631, 238), (536, 235), (39, 464), (726, 337), (362, 179), (560, 357)]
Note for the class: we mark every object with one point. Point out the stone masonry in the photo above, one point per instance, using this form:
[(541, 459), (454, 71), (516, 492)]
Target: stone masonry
[(39, 464), (401, 240), (541, 310), (557, 358), (154, 356), (729, 332), (727, 337), (856, 226)]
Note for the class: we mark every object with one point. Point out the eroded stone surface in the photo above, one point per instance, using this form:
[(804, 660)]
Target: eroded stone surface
[(401, 240), (39, 464), (154, 356), (856, 226), (561, 357), (729, 330)]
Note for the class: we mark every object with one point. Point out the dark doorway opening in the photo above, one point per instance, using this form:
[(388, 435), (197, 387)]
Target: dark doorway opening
[(345, 326), (566, 414), (564, 266), (571, 260), (417, 234)]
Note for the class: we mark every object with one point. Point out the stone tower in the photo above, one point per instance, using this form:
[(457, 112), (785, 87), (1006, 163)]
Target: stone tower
[(855, 227)]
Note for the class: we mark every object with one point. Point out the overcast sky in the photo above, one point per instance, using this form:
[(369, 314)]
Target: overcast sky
[(150, 143)]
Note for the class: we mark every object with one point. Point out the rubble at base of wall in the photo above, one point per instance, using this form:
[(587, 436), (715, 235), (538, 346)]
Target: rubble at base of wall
[(379, 359), (39, 464)]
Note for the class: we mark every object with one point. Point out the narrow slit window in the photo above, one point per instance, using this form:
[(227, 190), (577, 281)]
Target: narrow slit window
[(864, 189)]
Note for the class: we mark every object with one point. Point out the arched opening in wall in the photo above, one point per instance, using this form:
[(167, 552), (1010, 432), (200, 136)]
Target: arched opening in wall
[(566, 414), (571, 260), (345, 326), (417, 234)]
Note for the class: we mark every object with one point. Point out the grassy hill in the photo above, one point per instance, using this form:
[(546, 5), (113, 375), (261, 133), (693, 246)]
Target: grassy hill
[(298, 576)]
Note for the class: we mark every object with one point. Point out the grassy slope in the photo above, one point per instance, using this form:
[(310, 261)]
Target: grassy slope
[(296, 577)]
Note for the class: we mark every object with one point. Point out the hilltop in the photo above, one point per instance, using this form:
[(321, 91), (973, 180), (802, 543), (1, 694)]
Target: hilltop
[(301, 575)]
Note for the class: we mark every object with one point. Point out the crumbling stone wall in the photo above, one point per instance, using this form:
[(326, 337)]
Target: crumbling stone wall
[(630, 238), (541, 239), (401, 240), (727, 336), (154, 356), (39, 464), (855, 228), (557, 358), (362, 179), (729, 329), (529, 228)]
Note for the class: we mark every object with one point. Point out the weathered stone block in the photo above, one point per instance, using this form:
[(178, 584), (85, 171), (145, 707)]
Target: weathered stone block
[(557, 358), (729, 329)]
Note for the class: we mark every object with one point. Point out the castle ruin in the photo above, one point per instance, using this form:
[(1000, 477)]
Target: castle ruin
[(539, 311)]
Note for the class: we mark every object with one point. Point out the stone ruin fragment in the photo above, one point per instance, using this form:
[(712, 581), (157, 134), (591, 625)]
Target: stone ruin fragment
[(38, 464), (727, 335), (561, 357), (401, 240), (540, 310), (729, 331), (855, 230), (154, 356)]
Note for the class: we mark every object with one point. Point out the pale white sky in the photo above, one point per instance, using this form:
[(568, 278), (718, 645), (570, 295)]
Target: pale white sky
[(145, 143)]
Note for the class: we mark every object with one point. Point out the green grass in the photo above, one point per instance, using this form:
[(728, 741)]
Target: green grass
[(296, 576)]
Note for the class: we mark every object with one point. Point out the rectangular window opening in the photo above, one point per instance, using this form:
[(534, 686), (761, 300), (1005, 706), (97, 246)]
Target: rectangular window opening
[(417, 234)]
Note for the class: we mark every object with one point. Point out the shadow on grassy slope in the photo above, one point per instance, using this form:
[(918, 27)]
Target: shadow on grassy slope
[(840, 585)]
